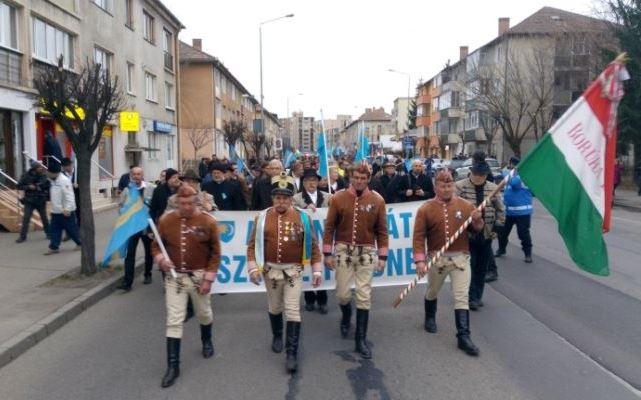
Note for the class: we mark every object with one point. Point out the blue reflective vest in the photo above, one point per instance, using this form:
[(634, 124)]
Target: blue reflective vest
[(517, 198)]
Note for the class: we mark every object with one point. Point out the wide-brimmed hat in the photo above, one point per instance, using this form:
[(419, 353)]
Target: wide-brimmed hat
[(311, 173), (219, 166), (190, 174), (481, 168), (283, 184)]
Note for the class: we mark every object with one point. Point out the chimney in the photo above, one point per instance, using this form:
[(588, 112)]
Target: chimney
[(197, 44), (463, 50), (504, 25)]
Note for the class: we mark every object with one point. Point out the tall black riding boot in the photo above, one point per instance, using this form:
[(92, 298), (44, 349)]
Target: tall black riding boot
[(362, 317), (430, 315), (205, 337), (293, 334), (276, 321), (173, 362), (463, 332), (346, 320)]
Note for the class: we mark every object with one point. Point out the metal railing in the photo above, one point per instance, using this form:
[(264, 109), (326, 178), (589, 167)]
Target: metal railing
[(111, 176), (26, 154), (10, 195)]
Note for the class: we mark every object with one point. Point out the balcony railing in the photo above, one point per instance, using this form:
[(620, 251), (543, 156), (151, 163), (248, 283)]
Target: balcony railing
[(10, 67), (424, 99)]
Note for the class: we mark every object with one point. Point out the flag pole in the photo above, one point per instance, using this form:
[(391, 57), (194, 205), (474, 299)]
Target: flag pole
[(329, 186), (403, 294), (163, 250)]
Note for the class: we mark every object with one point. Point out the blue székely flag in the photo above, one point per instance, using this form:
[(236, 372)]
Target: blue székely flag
[(408, 164), (132, 219), (240, 164), (289, 158), (363, 148), (323, 169)]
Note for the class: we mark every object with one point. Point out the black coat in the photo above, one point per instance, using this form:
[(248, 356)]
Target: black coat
[(227, 195), (262, 194), (159, 201), (40, 194), (409, 181), (385, 185)]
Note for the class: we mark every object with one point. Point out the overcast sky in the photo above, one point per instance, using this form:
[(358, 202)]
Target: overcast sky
[(337, 53)]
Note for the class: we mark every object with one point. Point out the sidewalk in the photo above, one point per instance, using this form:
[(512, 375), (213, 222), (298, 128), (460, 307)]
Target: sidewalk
[(24, 299), (628, 199)]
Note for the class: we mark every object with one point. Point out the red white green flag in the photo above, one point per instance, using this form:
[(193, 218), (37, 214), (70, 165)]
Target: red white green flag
[(571, 170)]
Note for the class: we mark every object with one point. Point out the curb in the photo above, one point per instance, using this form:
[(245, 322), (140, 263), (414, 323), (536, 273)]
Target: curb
[(23, 341), (627, 206)]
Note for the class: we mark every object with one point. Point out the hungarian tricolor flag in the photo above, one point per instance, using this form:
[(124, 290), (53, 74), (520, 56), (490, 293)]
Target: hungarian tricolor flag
[(571, 170)]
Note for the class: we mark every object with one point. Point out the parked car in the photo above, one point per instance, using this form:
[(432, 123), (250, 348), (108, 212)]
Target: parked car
[(464, 170), (455, 164)]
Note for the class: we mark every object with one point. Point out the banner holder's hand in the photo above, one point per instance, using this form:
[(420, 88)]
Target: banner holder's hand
[(255, 276)]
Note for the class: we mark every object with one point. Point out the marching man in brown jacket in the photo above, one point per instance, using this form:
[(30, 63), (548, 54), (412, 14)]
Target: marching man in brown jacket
[(356, 225), (436, 221), (282, 243), (193, 245)]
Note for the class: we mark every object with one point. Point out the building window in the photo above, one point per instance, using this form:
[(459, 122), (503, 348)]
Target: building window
[(129, 14), (102, 57), (129, 81), (150, 87), (153, 141), (170, 147), (148, 27), (168, 48), (104, 4), (169, 96), (8, 36), (219, 82), (218, 114), (456, 99), (105, 153), (49, 43)]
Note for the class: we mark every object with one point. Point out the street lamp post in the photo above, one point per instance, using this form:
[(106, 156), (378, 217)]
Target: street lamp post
[(260, 45)]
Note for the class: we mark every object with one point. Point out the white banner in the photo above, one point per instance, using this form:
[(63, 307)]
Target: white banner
[(236, 226)]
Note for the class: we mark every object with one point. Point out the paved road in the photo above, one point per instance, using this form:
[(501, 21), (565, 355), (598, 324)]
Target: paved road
[(543, 335)]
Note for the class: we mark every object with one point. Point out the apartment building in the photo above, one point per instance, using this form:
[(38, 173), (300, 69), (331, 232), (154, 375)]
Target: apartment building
[(563, 48), (374, 123), (134, 39), (400, 113), (299, 132), (333, 128), (212, 96)]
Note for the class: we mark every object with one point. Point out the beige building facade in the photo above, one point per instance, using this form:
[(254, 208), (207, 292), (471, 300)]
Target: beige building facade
[(134, 39)]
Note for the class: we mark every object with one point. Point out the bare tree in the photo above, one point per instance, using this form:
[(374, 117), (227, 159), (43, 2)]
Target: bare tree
[(490, 127), (268, 148), (200, 136), (514, 95), (82, 104), (234, 132), (256, 141)]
